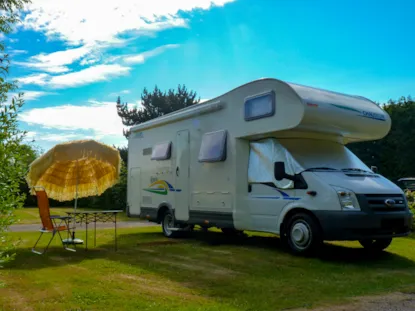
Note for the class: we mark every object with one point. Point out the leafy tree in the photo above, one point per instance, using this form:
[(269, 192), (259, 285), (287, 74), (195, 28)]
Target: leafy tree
[(155, 104), (394, 154), (12, 156), (124, 154), (29, 153)]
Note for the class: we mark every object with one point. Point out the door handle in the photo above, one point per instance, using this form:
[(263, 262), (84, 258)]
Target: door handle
[(177, 171)]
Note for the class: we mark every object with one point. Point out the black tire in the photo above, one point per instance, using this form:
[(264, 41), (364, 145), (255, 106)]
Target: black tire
[(376, 245), (231, 231), (303, 234), (167, 221)]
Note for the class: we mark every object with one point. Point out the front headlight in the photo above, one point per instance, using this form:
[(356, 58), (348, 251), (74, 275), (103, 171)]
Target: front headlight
[(347, 198)]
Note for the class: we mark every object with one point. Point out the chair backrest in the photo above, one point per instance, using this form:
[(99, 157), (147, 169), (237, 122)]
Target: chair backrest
[(44, 211)]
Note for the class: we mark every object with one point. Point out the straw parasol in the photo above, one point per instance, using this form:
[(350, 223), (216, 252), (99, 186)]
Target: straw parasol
[(75, 169)]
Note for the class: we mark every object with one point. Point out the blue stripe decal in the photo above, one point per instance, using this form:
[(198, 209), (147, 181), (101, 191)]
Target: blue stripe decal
[(285, 196), (275, 198)]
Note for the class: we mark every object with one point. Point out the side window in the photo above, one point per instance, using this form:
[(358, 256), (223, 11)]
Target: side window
[(213, 147), (260, 106), (161, 151)]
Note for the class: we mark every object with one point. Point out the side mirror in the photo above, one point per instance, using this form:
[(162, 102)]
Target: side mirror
[(374, 169), (279, 170)]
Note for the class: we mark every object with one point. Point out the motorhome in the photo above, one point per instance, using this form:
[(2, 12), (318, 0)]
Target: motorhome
[(267, 156)]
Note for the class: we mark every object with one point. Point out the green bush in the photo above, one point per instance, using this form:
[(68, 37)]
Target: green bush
[(410, 196)]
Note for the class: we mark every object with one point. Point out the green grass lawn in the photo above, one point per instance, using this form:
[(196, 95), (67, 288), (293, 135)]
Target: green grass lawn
[(204, 272), (30, 215)]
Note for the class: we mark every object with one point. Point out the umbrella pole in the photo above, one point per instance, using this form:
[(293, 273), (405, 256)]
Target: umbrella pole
[(76, 200)]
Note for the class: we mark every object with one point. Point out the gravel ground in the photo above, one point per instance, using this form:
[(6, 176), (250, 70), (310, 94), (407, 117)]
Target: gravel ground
[(390, 302)]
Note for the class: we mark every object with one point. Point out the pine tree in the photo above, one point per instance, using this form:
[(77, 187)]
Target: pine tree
[(155, 104)]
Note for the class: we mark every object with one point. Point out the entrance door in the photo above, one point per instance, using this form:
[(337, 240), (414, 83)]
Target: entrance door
[(182, 171), (134, 191)]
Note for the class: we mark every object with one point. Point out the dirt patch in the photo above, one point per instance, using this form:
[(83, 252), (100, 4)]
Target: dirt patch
[(390, 302), (210, 269), (221, 252), (13, 300), (79, 268), (58, 258), (146, 250), (157, 287), (156, 243)]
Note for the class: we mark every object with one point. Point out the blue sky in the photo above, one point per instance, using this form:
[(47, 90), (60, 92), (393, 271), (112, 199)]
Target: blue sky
[(73, 63)]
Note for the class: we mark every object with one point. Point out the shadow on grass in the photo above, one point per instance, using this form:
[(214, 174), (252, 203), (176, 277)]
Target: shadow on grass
[(247, 272), (130, 244)]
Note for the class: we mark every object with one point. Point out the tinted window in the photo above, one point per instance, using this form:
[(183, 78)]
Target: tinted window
[(213, 147), (260, 106), (161, 151)]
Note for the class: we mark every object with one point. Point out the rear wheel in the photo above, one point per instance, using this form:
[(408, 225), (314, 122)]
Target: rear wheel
[(376, 245), (303, 234), (167, 224)]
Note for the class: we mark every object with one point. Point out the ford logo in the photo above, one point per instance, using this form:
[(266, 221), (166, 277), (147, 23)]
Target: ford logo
[(390, 202)]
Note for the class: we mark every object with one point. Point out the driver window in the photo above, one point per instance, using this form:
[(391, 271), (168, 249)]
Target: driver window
[(262, 156)]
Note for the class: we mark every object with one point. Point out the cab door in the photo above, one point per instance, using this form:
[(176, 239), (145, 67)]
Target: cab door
[(266, 203)]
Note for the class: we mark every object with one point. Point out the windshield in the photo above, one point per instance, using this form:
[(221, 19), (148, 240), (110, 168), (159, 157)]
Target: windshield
[(323, 155)]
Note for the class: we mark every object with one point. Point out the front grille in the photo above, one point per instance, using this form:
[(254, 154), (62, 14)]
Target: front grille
[(377, 202)]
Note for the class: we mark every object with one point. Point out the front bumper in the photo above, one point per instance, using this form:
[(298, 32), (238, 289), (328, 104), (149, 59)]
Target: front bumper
[(342, 225)]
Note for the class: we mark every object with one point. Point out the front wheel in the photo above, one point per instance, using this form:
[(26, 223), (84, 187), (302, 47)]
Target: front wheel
[(303, 234), (167, 224), (376, 245)]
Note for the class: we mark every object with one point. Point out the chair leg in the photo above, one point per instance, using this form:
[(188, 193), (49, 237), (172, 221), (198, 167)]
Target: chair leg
[(47, 246), (34, 247)]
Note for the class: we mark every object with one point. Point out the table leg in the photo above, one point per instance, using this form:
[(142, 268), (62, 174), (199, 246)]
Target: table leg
[(95, 233), (115, 216), (86, 232)]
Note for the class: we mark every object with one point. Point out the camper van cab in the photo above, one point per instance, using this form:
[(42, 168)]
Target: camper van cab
[(268, 156)]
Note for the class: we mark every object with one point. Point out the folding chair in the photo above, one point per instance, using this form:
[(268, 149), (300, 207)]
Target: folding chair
[(50, 222)]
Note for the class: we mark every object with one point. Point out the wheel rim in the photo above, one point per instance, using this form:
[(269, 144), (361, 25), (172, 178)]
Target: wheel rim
[(168, 223), (301, 235)]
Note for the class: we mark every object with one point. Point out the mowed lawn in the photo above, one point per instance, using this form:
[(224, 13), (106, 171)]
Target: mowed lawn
[(206, 271), (30, 215)]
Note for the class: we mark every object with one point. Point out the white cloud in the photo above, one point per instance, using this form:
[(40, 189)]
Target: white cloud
[(89, 75), (34, 95), (119, 93), (13, 40), (38, 79), (52, 137), (28, 95), (104, 21), (16, 52), (141, 58), (56, 62), (99, 117)]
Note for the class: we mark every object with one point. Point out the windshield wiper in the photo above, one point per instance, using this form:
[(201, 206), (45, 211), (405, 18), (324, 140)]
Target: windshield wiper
[(355, 170), (322, 168)]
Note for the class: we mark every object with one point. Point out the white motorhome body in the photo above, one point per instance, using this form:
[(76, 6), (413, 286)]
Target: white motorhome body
[(267, 156)]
